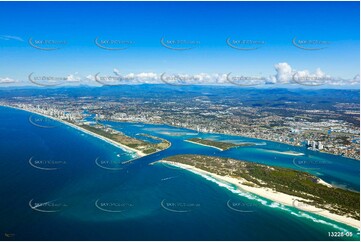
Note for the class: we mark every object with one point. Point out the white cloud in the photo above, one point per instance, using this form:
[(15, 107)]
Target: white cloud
[(7, 80), (147, 76), (284, 72), (74, 77), (90, 77), (136, 78), (284, 75)]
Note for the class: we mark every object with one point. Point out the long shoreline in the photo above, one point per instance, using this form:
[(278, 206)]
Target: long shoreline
[(272, 195), (116, 144), (281, 198)]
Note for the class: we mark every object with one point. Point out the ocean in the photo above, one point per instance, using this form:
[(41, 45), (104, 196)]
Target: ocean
[(58, 183)]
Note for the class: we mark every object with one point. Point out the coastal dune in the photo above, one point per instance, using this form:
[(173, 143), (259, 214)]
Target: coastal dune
[(272, 195)]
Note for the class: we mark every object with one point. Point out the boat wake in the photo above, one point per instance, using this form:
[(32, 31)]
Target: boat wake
[(168, 178)]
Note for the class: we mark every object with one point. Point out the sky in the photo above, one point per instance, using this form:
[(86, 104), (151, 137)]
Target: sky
[(242, 43)]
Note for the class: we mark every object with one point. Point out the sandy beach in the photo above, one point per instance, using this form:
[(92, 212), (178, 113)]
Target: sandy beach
[(292, 153), (116, 144), (278, 197)]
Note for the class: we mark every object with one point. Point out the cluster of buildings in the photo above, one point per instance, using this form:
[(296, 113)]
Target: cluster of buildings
[(314, 145), (299, 127)]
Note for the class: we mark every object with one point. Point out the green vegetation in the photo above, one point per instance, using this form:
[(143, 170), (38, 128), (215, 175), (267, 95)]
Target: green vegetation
[(145, 147), (162, 145), (218, 144), (288, 181)]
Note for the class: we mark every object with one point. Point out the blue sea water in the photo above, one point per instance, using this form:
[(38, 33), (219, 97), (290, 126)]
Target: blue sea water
[(58, 183)]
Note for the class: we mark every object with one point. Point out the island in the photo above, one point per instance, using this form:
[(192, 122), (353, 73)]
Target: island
[(285, 186), (216, 144)]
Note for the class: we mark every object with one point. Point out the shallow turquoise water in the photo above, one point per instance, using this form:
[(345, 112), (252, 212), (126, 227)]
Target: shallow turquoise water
[(136, 201)]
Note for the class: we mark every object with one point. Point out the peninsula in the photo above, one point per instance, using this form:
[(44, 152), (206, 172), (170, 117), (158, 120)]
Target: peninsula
[(109, 135), (282, 185)]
